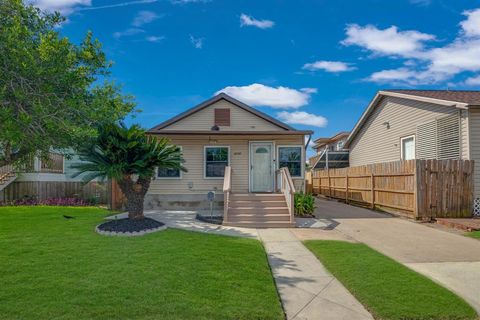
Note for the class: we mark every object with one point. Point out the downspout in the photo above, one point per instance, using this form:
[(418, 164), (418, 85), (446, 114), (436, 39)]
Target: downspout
[(308, 142)]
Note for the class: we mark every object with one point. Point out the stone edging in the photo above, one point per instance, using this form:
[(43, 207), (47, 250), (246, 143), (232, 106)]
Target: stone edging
[(129, 234)]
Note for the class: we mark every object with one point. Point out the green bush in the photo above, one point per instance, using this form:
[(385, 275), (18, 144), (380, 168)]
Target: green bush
[(304, 204)]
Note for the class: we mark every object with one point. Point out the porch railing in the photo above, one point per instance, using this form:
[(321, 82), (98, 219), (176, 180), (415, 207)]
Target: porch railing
[(287, 187), (6, 172), (227, 187), (53, 165)]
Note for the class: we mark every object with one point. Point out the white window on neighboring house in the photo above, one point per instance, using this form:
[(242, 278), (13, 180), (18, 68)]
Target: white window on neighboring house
[(408, 148)]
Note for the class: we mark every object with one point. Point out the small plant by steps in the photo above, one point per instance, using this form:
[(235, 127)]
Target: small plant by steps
[(304, 204)]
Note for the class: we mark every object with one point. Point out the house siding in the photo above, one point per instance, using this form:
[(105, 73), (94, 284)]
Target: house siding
[(375, 143), (193, 151), (474, 125), (465, 133), (240, 120)]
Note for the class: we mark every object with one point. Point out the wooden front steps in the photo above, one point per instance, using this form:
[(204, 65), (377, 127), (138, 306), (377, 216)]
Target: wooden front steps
[(258, 210)]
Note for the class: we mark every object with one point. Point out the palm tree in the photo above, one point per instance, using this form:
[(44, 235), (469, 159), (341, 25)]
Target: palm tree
[(130, 157)]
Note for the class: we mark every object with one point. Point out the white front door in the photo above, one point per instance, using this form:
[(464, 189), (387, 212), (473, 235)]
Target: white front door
[(261, 167)]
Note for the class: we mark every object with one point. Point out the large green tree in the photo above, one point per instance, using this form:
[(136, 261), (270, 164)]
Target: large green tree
[(129, 156), (53, 93)]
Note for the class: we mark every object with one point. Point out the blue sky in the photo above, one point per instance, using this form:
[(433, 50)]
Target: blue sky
[(313, 64)]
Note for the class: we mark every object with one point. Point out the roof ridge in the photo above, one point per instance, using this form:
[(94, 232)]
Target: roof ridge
[(433, 90)]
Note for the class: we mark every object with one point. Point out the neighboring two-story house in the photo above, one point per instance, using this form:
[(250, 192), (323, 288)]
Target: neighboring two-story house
[(330, 152)]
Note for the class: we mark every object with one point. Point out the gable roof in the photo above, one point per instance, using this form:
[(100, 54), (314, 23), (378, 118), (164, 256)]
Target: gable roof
[(470, 97), (158, 128), (325, 140), (460, 99)]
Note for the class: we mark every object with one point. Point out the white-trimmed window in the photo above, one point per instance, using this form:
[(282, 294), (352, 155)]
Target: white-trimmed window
[(407, 147), (340, 145), (163, 173), (291, 157), (216, 159)]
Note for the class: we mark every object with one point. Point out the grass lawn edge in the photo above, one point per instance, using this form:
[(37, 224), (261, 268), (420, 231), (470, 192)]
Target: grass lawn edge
[(380, 288)]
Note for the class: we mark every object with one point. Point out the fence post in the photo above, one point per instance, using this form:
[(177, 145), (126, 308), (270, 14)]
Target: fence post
[(346, 186), (372, 184), (329, 185)]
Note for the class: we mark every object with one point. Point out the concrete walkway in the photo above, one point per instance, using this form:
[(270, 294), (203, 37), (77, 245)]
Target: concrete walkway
[(448, 258), (306, 288), (185, 220)]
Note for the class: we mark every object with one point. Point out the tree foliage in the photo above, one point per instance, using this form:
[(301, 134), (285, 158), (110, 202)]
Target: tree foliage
[(130, 157), (53, 93)]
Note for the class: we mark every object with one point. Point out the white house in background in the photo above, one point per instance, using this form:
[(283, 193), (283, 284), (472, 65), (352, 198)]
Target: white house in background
[(48, 179), (418, 124)]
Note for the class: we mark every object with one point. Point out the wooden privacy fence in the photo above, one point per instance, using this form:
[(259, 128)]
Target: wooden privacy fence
[(421, 189), (56, 189)]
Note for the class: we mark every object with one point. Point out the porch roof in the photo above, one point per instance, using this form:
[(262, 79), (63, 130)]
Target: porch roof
[(246, 133)]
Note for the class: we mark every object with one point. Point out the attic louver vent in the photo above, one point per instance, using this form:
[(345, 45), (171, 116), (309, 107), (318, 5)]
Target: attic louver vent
[(222, 117), (439, 139)]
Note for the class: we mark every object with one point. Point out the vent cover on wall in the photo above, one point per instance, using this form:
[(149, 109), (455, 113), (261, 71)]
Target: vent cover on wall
[(439, 139)]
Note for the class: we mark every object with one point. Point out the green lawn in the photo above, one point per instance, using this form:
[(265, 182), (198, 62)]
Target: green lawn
[(473, 234), (386, 288), (53, 268)]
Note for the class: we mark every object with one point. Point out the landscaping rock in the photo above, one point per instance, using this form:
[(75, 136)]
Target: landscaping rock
[(210, 219), (130, 228)]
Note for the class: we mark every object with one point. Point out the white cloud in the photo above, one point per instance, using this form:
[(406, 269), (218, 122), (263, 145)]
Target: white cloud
[(421, 65), (473, 81), (261, 95), (471, 26), (309, 90), (328, 66), (63, 6), (461, 55), (144, 17), (127, 33), (196, 42), (423, 3), (388, 41), (154, 38), (116, 5), (189, 1), (246, 20), (394, 76), (302, 117)]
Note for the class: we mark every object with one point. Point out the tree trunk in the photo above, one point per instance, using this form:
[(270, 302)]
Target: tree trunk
[(135, 194)]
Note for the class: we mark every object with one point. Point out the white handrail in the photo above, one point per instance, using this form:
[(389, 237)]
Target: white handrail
[(227, 187), (288, 189)]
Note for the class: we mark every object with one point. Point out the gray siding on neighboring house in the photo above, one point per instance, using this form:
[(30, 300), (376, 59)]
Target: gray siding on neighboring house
[(474, 124), (375, 143)]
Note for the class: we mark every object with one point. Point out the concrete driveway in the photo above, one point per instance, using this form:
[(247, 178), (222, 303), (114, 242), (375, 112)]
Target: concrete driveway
[(450, 259)]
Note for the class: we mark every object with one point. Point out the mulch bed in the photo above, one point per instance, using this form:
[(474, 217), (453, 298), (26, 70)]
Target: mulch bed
[(210, 219), (128, 225)]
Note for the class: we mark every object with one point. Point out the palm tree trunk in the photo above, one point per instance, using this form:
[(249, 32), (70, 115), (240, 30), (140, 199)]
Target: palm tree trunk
[(135, 194)]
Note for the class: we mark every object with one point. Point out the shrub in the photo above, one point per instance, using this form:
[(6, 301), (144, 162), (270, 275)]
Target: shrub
[(70, 202), (304, 204)]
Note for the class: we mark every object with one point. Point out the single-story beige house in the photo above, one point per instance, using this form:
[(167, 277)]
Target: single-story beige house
[(418, 124), (237, 152)]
